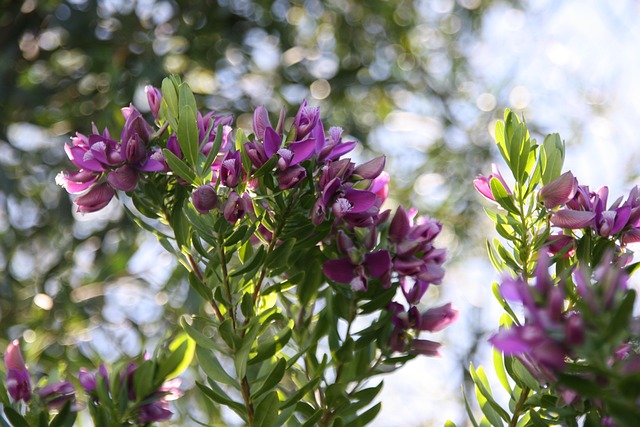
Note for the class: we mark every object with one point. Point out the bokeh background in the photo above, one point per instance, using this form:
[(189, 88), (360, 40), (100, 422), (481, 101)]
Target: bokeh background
[(421, 81)]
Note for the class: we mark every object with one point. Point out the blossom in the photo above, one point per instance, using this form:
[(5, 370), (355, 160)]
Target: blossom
[(95, 199), (483, 184), (345, 270), (18, 382), (204, 198), (156, 407), (559, 191), (231, 171), (154, 97), (57, 394), (305, 120)]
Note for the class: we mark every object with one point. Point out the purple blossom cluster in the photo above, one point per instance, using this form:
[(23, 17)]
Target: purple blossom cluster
[(106, 165), (581, 208), (554, 331), (150, 408), (18, 382), (154, 407)]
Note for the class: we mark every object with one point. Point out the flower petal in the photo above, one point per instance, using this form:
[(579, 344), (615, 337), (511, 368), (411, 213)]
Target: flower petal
[(568, 218)]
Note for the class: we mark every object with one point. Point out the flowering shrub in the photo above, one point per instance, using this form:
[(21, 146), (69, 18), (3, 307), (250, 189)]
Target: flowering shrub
[(573, 356), (315, 289)]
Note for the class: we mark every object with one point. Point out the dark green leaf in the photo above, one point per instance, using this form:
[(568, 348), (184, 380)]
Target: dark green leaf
[(266, 413), (179, 167)]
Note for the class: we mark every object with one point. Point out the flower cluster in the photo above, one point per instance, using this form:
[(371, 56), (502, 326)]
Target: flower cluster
[(18, 382), (550, 332), (581, 208), (149, 408), (106, 165), (152, 407)]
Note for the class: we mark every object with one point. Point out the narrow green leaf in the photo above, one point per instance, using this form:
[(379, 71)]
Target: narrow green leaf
[(211, 366), (183, 349), (14, 417), (143, 379), (467, 407), (489, 406), (216, 394), (503, 198), (551, 158), (188, 134), (179, 167), (501, 373), (273, 379), (252, 264), (215, 148), (366, 417), (300, 392), (170, 98), (242, 355), (267, 410)]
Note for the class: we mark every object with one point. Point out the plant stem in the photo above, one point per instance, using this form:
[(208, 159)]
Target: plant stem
[(225, 281), (519, 406), (248, 403), (196, 271)]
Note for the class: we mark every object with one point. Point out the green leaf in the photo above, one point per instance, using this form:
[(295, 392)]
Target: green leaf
[(179, 167), (143, 379), (216, 394), (280, 255), (183, 349), (242, 355), (489, 406), (467, 407), (273, 379), (170, 99), (251, 265), (211, 366), (199, 287), (501, 373), (503, 198), (268, 348), (200, 339), (188, 135), (366, 417), (619, 326), (551, 158), (65, 418), (14, 417), (266, 168), (266, 413), (215, 148), (300, 392)]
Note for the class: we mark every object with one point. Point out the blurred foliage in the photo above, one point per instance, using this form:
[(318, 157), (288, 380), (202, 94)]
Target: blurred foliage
[(394, 74)]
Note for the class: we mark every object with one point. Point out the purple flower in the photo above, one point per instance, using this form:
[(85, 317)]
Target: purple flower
[(204, 198), (89, 381), (236, 207), (157, 406), (305, 120), (135, 129), (331, 147), (18, 382), (154, 97), (559, 191), (124, 178), (77, 181), (95, 199), (436, 318), (231, 171), (260, 122), (292, 154), (345, 270), (483, 184), (57, 394)]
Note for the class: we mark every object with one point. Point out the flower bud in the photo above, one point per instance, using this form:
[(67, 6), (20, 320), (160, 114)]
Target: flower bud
[(18, 382), (154, 97), (204, 199)]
